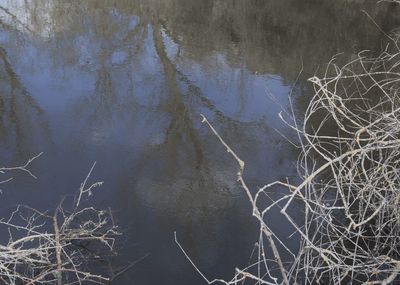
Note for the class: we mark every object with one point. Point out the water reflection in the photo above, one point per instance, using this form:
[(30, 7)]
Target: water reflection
[(23, 126), (124, 83)]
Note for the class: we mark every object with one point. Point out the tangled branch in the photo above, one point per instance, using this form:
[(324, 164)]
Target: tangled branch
[(58, 248), (350, 183)]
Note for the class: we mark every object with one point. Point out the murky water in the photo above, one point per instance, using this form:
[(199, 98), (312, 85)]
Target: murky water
[(124, 83)]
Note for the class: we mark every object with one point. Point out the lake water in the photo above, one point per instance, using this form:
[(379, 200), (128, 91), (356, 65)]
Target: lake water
[(124, 82)]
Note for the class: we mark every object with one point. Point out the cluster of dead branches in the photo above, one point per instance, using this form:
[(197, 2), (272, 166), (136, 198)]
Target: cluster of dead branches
[(349, 192), (62, 247)]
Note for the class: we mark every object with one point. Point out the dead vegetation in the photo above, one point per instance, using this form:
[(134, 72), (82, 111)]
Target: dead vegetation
[(62, 247), (350, 182)]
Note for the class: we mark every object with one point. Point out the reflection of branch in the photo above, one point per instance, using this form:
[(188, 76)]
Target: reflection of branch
[(15, 82), (175, 39), (139, 28), (18, 106), (15, 18), (195, 90), (128, 267), (182, 120)]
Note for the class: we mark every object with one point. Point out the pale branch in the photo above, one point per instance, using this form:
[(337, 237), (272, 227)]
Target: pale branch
[(56, 248)]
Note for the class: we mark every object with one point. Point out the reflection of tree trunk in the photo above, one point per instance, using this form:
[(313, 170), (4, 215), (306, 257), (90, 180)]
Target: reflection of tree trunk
[(141, 29), (16, 84), (181, 123), (18, 108), (105, 95), (193, 89), (102, 104)]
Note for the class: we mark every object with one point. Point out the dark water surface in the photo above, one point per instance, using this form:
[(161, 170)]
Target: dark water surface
[(124, 82)]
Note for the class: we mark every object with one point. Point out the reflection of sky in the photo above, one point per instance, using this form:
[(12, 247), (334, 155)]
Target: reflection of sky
[(163, 169)]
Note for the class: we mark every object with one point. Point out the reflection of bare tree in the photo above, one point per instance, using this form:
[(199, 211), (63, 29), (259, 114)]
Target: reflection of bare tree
[(176, 173), (21, 118), (181, 124), (106, 30), (272, 36), (267, 37), (182, 146), (105, 99)]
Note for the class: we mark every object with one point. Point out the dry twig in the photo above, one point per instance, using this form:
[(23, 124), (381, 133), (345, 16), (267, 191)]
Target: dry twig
[(350, 189), (56, 249)]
